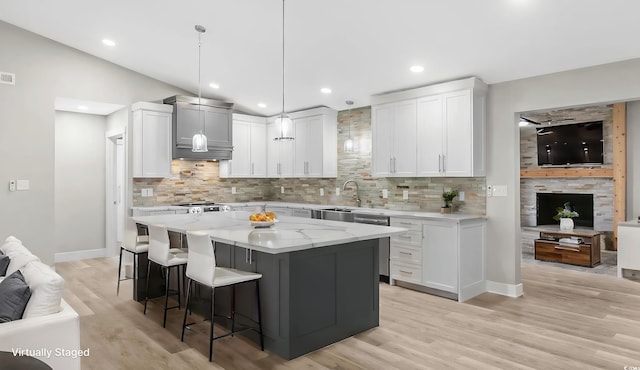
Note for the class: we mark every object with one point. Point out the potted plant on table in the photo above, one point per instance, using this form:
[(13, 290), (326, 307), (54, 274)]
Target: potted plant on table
[(448, 196), (565, 215)]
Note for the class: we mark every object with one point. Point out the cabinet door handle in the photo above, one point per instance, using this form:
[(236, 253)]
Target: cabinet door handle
[(444, 166), (407, 253), (439, 162), (390, 164), (246, 256), (230, 167), (406, 272), (395, 167), (252, 168)]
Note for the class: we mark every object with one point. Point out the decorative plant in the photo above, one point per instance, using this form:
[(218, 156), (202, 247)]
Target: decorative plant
[(448, 196), (565, 212)]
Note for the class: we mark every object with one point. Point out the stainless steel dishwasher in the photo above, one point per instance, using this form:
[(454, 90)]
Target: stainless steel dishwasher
[(381, 220)]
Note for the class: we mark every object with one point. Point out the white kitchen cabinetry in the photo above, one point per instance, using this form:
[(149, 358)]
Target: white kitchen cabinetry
[(394, 139), (445, 257), (151, 139), (313, 152), (249, 148), (449, 130), (279, 153), (315, 144)]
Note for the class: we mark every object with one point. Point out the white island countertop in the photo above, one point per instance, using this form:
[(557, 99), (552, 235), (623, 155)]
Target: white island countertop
[(289, 234)]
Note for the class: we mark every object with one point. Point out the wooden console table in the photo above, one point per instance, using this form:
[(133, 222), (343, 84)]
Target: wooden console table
[(549, 248)]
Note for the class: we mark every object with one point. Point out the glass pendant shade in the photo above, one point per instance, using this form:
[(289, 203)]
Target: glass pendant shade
[(286, 127), (199, 144), (348, 145)]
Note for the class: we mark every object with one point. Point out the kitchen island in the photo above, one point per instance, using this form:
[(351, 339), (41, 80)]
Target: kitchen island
[(319, 278)]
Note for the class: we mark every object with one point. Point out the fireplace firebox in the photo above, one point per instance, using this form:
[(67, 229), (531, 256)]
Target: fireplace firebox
[(547, 203)]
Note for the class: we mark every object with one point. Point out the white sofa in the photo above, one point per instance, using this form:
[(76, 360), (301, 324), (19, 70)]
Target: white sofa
[(49, 329)]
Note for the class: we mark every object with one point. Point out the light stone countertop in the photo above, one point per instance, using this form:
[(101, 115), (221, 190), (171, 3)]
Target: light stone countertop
[(289, 234)]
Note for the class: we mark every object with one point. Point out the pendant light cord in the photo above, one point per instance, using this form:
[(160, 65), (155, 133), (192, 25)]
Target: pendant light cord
[(199, 84), (282, 114)]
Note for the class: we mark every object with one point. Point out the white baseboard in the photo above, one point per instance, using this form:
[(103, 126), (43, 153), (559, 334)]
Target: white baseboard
[(509, 290), (79, 255)]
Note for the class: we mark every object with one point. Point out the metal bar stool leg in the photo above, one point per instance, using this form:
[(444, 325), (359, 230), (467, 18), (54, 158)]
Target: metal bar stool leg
[(166, 296), (186, 308), (211, 330), (259, 315), (119, 270), (179, 288), (233, 309), (147, 290)]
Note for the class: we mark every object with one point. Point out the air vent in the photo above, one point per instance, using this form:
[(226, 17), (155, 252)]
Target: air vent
[(8, 78)]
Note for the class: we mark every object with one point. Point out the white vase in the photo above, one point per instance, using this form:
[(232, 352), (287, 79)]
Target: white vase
[(566, 224)]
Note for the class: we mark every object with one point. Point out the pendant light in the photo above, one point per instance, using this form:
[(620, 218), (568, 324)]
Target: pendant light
[(348, 143), (283, 121), (199, 143)]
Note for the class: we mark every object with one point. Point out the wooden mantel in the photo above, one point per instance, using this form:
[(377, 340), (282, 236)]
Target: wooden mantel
[(566, 172)]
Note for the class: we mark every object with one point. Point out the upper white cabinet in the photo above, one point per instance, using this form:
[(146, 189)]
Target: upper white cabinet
[(313, 152), (151, 139), (315, 144), (394, 139), (249, 148), (448, 127)]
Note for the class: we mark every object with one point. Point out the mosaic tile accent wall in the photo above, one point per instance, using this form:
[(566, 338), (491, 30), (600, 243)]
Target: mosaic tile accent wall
[(199, 181), (602, 189)]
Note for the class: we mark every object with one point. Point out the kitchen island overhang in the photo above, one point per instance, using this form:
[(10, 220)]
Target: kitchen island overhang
[(320, 278)]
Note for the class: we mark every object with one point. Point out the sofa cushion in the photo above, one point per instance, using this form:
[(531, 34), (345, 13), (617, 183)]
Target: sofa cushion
[(4, 263), (14, 296), (46, 289)]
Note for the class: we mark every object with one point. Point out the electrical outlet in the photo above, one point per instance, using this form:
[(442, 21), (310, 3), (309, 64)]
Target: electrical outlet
[(385, 194), (233, 190), (499, 190), (12, 185), (321, 192), (405, 195), (337, 191), (22, 185), (461, 196), (489, 190), (282, 190)]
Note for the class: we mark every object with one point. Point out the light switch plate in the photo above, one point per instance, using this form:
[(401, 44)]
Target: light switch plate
[(385, 193), (282, 190), (489, 190), (405, 195), (233, 190), (321, 192), (22, 185), (499, 190), (337, 191)]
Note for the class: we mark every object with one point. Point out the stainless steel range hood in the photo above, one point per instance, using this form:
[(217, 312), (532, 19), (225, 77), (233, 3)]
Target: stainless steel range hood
[(187, 121)]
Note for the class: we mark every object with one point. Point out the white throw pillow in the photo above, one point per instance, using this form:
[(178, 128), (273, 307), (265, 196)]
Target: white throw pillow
[(46, 289), (13, 245), (19, 260)]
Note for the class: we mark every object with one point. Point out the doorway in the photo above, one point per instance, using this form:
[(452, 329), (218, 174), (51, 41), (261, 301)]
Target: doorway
[(116, 190)]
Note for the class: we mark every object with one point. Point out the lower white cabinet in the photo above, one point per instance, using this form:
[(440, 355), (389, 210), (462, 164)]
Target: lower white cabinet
[(151, 139), (445, 255)]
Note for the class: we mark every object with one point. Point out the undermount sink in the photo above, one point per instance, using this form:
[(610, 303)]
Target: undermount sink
[(337, 209)]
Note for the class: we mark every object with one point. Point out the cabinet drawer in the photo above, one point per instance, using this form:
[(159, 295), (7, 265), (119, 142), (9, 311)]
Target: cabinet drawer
[(579, 254), (404, 254), (409, 238), (411, 225), (405, 272)]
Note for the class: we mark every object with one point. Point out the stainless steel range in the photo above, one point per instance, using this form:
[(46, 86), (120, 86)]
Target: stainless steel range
[(201, 207)]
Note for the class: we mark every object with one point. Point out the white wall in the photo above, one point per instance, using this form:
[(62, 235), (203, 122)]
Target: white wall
[(633, 160), (614, 82), (45, 70), (79, 182)]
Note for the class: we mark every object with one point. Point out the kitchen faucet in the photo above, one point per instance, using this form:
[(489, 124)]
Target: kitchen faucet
[(344, 187)]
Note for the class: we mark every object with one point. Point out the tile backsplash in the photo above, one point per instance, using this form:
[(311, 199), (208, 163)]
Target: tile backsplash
[(194, 181)]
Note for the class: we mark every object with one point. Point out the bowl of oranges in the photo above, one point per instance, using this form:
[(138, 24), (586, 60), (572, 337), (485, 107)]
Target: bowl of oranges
[(264, 219)]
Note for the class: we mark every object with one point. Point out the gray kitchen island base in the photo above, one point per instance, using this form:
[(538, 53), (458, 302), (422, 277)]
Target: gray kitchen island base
[(310, 298)]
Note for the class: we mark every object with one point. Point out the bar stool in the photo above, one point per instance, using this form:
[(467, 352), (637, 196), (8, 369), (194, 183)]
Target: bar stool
[(201, 268), (134, 244), (160, 253)]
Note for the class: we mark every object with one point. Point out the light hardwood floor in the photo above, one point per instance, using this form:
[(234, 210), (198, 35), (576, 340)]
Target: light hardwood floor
[(565, 320)]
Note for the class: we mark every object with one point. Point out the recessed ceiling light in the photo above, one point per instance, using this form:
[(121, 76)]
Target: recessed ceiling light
[(417, 69), (83, 107), (325, 90), (214, 85), (262, 105), (108, 42)]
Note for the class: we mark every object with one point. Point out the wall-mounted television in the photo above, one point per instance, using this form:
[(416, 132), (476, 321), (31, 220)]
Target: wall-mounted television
[(574, 144)]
